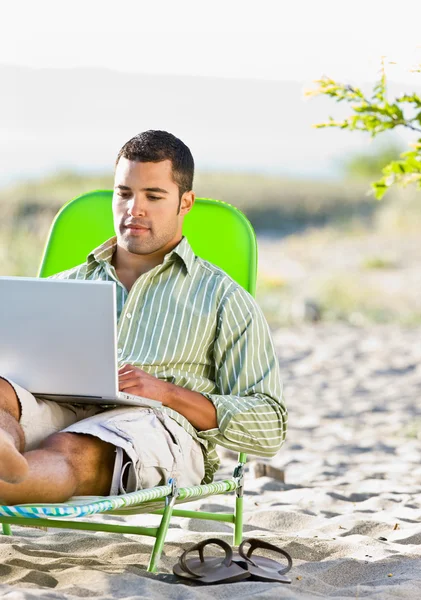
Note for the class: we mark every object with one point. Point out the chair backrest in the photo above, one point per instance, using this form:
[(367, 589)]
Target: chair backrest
[(217, 232)]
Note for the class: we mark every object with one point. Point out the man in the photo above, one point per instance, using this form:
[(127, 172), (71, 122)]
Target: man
[(188, 335)]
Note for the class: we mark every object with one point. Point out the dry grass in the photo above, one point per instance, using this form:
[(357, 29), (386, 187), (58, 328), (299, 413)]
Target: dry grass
[(355, 258)]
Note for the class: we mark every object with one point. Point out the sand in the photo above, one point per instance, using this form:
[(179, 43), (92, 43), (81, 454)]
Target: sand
[(348, 512)]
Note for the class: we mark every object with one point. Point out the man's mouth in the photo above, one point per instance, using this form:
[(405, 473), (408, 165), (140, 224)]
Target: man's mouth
[(136, 228)]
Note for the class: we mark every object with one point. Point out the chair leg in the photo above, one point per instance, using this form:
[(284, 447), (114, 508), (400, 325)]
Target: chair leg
[(238, 513), (7, 530), (238, 525), (163, 528)]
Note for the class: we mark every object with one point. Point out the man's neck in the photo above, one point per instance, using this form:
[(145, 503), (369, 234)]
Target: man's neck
[(129, 267)]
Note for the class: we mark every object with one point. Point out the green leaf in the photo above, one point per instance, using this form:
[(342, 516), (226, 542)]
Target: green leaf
[(376, 115), (379, 188), (379, 91), (410, 99)]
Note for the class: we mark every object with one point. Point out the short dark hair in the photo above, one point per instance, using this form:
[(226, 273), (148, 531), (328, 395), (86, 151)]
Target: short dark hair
[(155, 146)]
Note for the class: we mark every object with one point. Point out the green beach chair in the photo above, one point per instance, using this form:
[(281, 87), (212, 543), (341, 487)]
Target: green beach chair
[(217, 232)]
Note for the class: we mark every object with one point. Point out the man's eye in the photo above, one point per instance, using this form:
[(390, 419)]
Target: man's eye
[(154, 197)]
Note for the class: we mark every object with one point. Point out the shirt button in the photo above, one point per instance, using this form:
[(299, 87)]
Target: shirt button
[(120, 350), (129, 315)]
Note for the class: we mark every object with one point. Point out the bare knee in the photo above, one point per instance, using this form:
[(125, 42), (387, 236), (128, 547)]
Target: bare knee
[(91, 460), (9, 400)]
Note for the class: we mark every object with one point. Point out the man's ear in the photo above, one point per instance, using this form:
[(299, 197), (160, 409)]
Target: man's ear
[(187, 201)]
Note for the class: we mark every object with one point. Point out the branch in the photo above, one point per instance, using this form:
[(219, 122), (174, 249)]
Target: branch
[(377, 115)]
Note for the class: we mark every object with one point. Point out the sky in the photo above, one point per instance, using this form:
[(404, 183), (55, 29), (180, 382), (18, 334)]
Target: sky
[(265, 39), (261, 128)]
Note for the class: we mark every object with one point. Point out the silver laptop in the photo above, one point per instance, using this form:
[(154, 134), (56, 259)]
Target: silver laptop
[(58, 339)]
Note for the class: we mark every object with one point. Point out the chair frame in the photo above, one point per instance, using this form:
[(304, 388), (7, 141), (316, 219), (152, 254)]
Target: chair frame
[(54, 515), (33, 515)]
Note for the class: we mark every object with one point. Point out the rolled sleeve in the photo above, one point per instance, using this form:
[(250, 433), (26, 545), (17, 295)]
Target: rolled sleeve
[(251, 412)]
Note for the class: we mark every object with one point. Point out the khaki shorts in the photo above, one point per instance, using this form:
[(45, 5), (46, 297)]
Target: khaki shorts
[(151, 445)]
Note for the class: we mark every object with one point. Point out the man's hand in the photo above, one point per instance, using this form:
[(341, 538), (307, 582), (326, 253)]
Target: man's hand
[(196, 408), (133, 380)]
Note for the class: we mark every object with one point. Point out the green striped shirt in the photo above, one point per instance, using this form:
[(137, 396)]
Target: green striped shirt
[(187, 322)]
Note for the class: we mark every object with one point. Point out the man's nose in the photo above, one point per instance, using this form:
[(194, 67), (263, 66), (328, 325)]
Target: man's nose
[(137, 207)]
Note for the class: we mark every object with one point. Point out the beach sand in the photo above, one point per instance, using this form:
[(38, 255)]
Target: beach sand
[(348, 512)]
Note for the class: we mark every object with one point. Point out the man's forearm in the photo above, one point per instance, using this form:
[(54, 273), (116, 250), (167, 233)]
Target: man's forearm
[(193, 406)]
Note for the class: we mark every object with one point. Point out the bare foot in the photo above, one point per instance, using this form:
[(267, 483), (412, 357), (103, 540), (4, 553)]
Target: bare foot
[(13, 466)]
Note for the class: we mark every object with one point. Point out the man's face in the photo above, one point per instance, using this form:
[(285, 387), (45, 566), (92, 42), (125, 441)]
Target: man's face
[(146, 207)]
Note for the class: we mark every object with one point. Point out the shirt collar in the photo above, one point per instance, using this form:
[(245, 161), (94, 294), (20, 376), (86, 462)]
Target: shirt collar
[(185, 252), (105, 251)]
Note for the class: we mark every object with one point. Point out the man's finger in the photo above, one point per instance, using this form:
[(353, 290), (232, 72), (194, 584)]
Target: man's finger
[(135, 390), (124, 385), (129, 382), (127, 375)]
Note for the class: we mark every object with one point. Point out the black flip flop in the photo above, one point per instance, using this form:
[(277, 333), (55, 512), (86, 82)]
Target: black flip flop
[(210, 569), (261, 568)]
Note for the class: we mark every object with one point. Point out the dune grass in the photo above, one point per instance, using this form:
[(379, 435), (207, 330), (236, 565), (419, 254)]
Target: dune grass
[(337, 247)]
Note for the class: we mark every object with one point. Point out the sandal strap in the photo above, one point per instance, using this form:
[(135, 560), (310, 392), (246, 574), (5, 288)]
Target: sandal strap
[(227, 560), (255, 543)]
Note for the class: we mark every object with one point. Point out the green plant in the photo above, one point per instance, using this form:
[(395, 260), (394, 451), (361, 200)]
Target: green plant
[(375, 114), (369, 165), (344, 296), (378, 262)]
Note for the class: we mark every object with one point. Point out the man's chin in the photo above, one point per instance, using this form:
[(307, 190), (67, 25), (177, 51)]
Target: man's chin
[(137, 248)]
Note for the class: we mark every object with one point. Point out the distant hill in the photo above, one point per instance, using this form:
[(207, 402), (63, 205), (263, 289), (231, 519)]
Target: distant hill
[(78, 119)]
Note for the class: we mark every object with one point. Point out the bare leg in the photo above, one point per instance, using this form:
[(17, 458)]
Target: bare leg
[(66, 464), (13, 466)]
